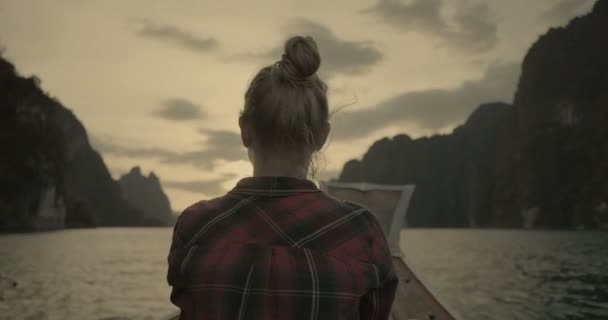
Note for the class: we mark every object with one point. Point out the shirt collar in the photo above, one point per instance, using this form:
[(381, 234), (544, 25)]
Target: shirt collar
[(274, 186)]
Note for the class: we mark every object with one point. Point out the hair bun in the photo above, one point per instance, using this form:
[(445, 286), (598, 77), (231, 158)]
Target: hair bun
[(301, 58)]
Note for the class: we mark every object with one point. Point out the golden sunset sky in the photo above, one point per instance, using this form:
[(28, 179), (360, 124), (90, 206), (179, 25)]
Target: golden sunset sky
[(159, 84)]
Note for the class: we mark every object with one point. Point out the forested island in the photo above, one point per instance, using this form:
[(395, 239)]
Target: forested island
[(51, 177), (541, 162)]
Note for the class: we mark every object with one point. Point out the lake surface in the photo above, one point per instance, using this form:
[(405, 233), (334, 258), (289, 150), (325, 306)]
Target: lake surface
[(119, 273)]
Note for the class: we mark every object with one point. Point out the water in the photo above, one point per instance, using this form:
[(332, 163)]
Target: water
[(481, 274), (492, 274), (86, 274)]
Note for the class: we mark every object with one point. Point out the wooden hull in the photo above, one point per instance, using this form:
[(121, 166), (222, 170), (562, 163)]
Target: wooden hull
[(413, 301)]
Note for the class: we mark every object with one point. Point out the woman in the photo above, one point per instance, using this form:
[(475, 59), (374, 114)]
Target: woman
[(275, 246)]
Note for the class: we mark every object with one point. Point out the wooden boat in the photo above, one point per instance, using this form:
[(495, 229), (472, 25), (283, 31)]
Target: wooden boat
[(413, 300)]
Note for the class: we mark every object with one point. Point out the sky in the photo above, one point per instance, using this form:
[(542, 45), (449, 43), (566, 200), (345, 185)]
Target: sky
[(160, 84)]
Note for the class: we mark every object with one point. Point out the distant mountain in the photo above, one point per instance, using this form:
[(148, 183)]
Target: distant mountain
[(147, 195), (50, 177), (542, 162), (454, 174)]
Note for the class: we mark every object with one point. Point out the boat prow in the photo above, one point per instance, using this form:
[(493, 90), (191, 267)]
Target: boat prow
[(413, 299)]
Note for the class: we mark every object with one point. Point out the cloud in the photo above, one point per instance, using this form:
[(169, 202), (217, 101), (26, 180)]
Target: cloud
[(109, 146), (468, 28), (208, 187), (178, 109), (420, 14), (218, 145), (173, 35), (339, 56), (221, 138), (563, 10), (430, 109)]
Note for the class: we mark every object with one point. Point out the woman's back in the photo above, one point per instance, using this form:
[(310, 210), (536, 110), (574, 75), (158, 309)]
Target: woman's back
[(279, 248), (276, 247)]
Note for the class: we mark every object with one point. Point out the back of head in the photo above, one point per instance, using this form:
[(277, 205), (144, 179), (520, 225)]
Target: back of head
[(286, 102)]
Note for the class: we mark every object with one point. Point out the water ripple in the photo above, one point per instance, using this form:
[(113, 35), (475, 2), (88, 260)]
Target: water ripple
[(119, 273)]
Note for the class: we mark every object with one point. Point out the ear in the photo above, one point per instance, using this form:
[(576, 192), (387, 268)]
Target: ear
[(245, 133), (323, 136)]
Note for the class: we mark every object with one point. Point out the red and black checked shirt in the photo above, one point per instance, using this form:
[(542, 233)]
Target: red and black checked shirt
[(279, 248)]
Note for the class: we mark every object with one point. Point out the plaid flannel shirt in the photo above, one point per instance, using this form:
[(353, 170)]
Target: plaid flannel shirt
[(279, 248)]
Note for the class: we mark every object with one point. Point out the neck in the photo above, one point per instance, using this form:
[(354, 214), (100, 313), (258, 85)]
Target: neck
[(278, 164)]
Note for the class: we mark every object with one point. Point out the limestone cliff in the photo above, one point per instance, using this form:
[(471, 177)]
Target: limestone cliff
[(147, 195), (542, 162), (562, 111), (45, 147)]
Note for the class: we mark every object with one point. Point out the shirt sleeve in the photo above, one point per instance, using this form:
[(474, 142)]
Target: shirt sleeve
[(376, 304), (175, 251), (175, 257), (178, 249)]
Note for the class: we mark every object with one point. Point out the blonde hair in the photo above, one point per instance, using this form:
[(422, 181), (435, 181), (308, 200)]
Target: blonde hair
[(286, 103)]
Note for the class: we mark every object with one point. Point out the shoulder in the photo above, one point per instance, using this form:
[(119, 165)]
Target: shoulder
[(345, 205), (192, 213), (369, 244), (365, 213), (374, 231), (194, 217), (356, 212)]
